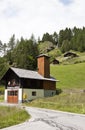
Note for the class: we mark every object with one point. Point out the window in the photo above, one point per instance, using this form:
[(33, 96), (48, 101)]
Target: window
[(13, 83), (16, 93), (33, 93), (12, 93)]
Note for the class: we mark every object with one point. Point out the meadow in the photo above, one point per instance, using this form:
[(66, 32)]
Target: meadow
[(70, 102), (69, 76)]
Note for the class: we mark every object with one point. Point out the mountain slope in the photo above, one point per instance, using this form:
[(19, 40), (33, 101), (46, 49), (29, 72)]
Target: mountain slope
[(70, 76)]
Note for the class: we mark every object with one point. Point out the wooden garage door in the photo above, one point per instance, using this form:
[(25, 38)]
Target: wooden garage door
[(13, 96)]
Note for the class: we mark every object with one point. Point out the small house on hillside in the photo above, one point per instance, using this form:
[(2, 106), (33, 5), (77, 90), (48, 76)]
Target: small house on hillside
[(21, 84), (55, 61), (70, 54)]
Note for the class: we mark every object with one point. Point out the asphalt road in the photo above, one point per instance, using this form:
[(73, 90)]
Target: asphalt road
[(43, 119)]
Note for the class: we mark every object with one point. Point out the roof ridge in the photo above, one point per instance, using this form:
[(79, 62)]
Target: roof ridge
[(22, 69)]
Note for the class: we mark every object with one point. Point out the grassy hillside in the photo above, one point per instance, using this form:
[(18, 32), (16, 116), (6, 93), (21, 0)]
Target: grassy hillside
[(72, 81), (70, 76)]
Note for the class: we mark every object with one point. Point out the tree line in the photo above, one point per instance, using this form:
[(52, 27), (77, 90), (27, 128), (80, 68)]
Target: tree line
[(19, 53), (67, 39), (22, 53)]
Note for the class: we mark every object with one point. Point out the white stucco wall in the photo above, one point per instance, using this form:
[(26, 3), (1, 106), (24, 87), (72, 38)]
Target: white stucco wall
[(29, 96), (5, 95), (20, 94), (48, 93)]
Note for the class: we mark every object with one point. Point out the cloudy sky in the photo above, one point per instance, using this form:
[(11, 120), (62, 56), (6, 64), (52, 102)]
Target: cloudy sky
[(24, 17)]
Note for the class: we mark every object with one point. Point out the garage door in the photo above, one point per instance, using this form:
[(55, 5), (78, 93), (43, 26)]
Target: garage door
[(13, 96)]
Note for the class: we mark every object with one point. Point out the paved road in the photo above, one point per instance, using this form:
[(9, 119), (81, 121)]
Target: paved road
[(43, 119)]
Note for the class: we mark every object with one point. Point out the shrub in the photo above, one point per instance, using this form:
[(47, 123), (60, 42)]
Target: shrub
[(58, 91)]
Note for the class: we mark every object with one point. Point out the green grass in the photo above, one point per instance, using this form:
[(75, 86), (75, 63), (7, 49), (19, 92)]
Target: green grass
[(69, 76), (73, 102), (2, 89), (11, 116), (1, 98)]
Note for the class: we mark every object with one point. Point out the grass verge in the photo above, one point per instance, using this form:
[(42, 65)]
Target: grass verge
[(71, 102), (1, 98), (11, 116)]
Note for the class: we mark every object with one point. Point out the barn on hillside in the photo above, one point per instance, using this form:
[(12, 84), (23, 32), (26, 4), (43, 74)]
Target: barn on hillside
[(70, 54), (55, 62)]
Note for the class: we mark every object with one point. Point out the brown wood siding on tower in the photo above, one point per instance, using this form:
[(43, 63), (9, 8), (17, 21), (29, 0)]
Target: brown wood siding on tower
[(43, 66), (47, 67)]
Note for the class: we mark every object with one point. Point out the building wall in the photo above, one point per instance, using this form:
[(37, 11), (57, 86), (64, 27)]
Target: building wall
[(5, 95), (49, 88), (9, 77), (49, 93), (47, 67), (44, 66), (20, 95), (29, 94), (32, 84), (49, 85)]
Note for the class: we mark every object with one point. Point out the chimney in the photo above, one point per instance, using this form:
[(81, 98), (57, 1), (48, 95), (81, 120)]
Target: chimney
[(43, 65)]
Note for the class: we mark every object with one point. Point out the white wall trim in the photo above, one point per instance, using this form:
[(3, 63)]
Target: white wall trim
[(20, 95), (5, 96)]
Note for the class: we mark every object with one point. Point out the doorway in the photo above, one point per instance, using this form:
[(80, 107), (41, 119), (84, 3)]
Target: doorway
[(12, 96)]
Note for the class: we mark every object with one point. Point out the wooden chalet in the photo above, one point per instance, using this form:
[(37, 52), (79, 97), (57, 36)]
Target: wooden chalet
[(55, 61), (24, 85), (70, 54)]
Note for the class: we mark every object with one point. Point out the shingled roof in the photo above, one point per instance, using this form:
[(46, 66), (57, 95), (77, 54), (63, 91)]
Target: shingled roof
[(23, 73)]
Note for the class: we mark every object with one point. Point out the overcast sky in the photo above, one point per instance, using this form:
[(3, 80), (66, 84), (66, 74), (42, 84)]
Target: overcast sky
[(24, 17)]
